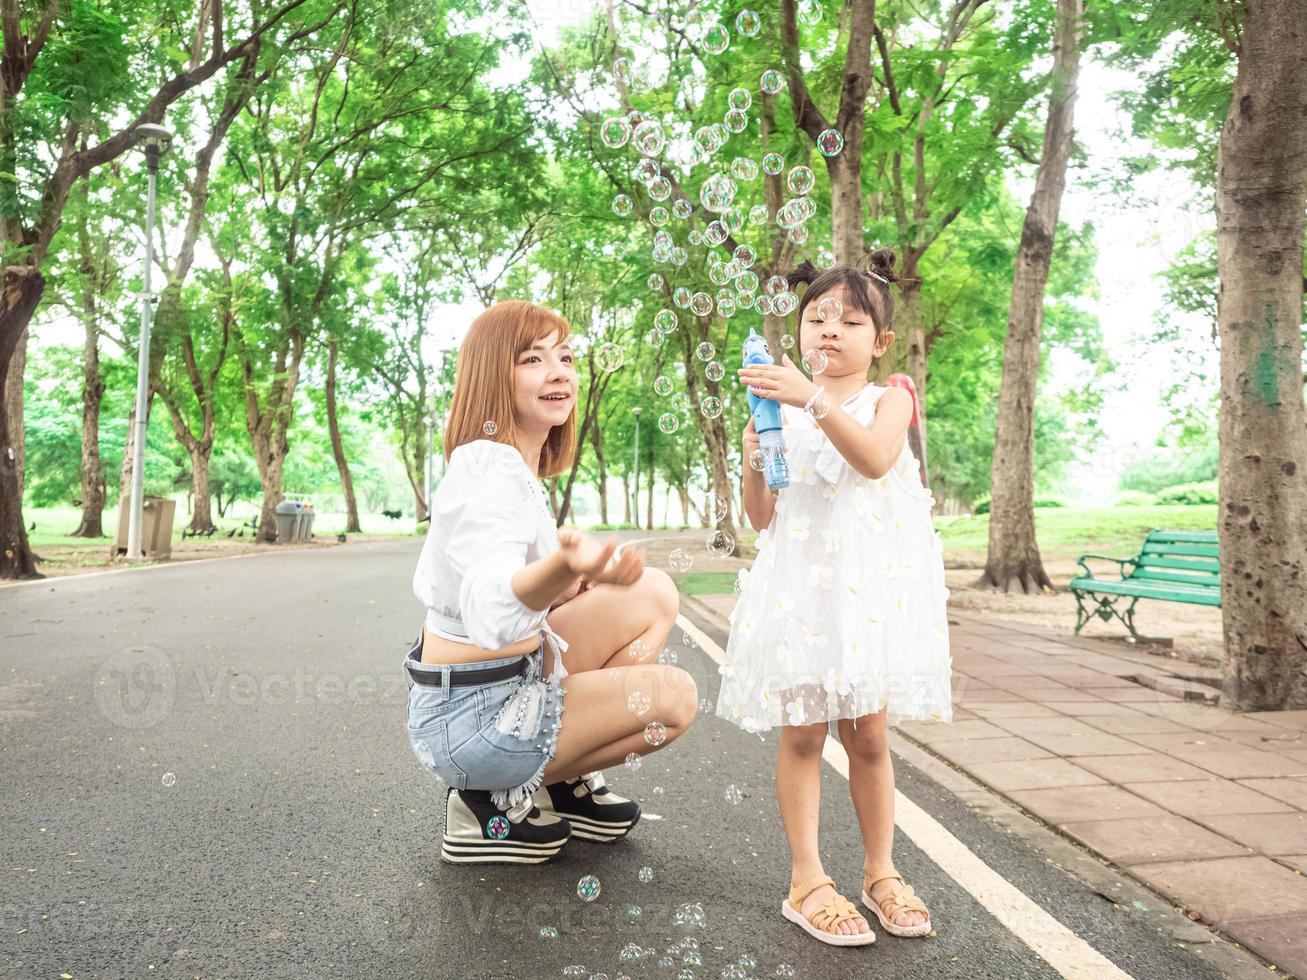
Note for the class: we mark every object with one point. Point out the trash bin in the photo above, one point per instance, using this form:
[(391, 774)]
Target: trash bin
[(157, 515), (308, 518), (288, 512)]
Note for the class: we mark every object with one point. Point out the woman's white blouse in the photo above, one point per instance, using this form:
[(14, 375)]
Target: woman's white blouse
[(489, 517)]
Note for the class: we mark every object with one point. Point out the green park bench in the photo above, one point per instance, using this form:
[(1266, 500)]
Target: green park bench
[(1172, 566)]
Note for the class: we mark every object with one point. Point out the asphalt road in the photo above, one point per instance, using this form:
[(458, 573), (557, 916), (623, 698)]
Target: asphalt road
[(206, 774)]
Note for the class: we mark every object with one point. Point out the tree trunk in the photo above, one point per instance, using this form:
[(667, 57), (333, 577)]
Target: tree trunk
[(338, 447), (626, 500), (648, 506), (19, 297), (910, 352), (683, 493), (202, 511), (1013, 551), (597, 443), (93, 490), (1260, 190)]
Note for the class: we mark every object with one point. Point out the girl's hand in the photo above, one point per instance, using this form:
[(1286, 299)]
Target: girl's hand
[(588, 558), (782, 382), (751, 440)]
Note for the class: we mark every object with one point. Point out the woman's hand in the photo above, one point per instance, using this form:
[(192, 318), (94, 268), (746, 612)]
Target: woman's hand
[(782, 382), (751, 440), (593, 561)]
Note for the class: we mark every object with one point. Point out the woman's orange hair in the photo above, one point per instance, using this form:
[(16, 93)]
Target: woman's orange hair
[(483, 381)]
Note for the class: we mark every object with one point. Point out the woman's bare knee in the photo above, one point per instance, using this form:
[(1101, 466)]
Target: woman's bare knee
[(684, 697), (866, 741), (664, 598)]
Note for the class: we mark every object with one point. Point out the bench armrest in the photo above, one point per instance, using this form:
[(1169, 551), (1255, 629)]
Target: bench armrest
[(1121, 563)]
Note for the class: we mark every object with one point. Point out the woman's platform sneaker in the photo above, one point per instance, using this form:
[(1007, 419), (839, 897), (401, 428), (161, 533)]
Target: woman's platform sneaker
[(479, 832), (594, 811)]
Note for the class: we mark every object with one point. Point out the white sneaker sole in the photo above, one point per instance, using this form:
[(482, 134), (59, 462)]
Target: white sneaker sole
[(603, 831), (458, 851)]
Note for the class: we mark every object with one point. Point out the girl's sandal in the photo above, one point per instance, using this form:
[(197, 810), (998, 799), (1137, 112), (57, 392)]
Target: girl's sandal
[(892, 905), (827, 916)]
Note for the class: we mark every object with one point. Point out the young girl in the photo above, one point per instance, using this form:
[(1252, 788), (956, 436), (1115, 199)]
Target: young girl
[(842, 617), (498, 580)]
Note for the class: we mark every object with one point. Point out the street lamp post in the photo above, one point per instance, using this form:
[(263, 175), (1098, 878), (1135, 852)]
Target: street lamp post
[(156, 143), (635, 497)]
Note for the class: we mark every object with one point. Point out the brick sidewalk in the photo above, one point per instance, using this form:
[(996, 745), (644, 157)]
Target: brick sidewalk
[(1122, 752)]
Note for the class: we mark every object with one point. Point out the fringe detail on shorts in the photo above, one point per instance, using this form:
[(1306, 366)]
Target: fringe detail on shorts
[(505, 798)]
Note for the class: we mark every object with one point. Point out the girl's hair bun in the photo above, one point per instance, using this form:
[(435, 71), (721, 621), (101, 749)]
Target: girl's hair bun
[(805, 272), (880, 264)]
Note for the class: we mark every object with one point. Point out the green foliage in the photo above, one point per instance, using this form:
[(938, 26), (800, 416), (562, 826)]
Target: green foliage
[(1153, 473), (1133, 498), (1189, 493)]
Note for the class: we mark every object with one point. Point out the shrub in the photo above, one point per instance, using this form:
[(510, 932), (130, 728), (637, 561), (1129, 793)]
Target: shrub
[(982, 505), (1133, 498), (1188, 493)]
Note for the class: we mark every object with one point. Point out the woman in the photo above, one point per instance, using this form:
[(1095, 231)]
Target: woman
[(502, 585)]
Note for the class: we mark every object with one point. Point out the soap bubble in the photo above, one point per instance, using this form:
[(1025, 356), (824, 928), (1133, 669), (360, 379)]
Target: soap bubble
[(637, 702), (648, 138), (798, 234), (690, 915), (680, 559), (742, 168), (810, 12), (655, 733), (764, 304), (745, 255), (609, 357), (716, 507), (829, 308), (658, 216), (715, 371), (169, 779), (721, 544), (681, 208), (716, 39), (633, 761), (497, 827), (489, 427), (655, 282), (758, 214), (668, 657), (715, 233), (680, 401), (614, 132), (748, 23), (705, 706), (668, 422), (771, 81), (679, 255), (726, 305), (830, 142), (646, 875), (787, 341), (646, 170), (717, 193), (777, 285), (622, 69), (633, 913), (756, 460), (825, 259), (719, 272), (653, 338), (785, 303), (705, 351), (587, 889), (701, 304), (660, 188), (622, 205), (785, 970), (736, 120), (772, 164), (711, 407), (733, 794), (631, 951), (662, 385), (639, 650), (748, 962), (800, 180), (548, 932), (820, 407), (739, 98)]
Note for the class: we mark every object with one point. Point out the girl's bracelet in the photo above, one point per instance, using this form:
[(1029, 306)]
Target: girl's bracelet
[(807, 406)]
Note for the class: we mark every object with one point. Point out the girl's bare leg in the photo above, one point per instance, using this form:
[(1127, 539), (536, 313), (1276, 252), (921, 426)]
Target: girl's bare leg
[(871, 784), (798, 791), (602, 624)]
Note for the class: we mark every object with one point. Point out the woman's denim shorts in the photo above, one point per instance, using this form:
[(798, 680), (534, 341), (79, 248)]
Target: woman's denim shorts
[(497, 737)]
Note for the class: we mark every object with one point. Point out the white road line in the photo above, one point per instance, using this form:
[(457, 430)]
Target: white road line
[(1057, 945)]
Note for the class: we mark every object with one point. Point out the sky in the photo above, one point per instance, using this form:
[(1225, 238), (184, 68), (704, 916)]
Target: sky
[(1135, 240)]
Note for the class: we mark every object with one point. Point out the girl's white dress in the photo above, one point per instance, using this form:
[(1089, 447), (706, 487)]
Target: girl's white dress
[(843, 612)]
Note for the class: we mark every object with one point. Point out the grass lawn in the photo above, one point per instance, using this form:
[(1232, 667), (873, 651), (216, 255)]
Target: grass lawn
[(1069, 532)]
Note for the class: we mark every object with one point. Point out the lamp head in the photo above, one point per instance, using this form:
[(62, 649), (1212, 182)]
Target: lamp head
[(154, 135)]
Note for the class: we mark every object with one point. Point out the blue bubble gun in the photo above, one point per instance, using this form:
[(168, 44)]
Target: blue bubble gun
[(767, 418)]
